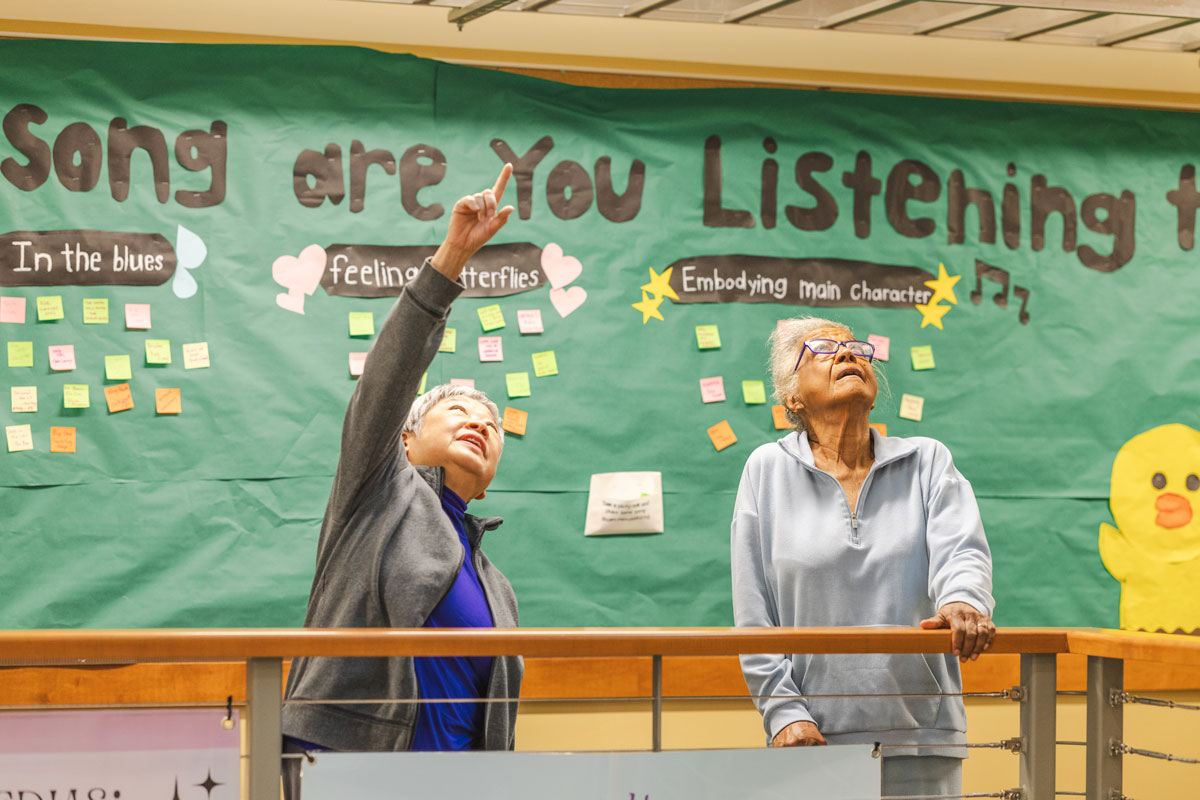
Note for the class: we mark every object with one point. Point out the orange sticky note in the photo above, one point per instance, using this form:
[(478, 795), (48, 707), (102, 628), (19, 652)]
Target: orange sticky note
[(879, 426), (118, 398), (515, 421), (62, 440), (167, 401), (779, 414), (722, 435)]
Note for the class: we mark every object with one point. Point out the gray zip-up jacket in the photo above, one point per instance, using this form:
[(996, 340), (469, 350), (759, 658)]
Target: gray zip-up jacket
[(388, 553)]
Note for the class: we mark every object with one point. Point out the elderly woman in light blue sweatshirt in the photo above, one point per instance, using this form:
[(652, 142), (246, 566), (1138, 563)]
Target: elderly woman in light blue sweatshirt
[(836, 525)]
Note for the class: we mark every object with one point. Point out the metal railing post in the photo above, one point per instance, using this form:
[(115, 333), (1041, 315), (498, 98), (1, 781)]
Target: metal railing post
[(1105, 727), (656, 706), (264, 682), (1039, 682)]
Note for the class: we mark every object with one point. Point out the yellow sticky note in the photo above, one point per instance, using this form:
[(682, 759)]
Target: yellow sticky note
[(20, 437), (167, 401), (195, 355), (24, 399), (424, 380), (116, 368), (118, 398), (158, 351), (362, 323), (449, 341), (708, 337), (912, 407), (20, 354), (545, 364), (76, 395), (922, 357), (779, 417), (754, 392), (62, 439), (515, 421), (518, 384), (491, 317), (722, 435), (95, 311), (49, 307)]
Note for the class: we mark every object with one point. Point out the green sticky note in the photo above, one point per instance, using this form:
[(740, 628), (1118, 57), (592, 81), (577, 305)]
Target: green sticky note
[(158, 351), (116, 368), (20, 354), (491, 317), (708, 337), (50, 307), (424, 378), (362, 323), (922, 357), (518, 384), (76, 395), (545, 364), (449, 341), (754, 392), (95, 311)]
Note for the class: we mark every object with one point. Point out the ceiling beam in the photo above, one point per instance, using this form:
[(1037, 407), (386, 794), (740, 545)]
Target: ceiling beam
[(957, 18), (754, 9), (1038, 30), (646, 7), (1149, 29), (461, 16), (855, 13)]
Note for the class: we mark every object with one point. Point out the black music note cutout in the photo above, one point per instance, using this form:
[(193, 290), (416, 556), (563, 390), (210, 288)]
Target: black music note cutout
[(1022, 293), (1000, 276)]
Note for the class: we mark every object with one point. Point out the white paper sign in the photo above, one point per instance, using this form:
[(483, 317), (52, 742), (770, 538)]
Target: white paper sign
[(624, 502)]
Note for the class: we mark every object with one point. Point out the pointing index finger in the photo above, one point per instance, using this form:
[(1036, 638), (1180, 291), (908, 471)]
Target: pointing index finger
[(502, 182)]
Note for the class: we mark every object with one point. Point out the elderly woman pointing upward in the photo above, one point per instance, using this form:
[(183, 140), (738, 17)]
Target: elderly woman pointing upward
[(835, 525)]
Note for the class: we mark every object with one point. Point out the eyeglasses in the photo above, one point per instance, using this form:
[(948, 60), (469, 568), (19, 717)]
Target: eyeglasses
[(827, 347)]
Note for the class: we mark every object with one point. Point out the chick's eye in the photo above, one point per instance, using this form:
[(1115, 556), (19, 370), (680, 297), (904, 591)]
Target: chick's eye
[(1193, 483), (1159, 480)]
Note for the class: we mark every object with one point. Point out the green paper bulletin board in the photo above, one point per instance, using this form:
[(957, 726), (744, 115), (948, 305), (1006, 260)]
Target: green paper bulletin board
[(196, 168)]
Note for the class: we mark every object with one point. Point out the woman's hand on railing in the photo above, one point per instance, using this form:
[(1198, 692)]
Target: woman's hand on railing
[(798, 734), (971, 631)]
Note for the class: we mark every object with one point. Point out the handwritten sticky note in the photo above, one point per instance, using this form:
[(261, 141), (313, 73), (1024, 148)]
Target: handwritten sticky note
[(62, 439), (708, 337), (137, 316), (530, 321), (722, 435), (491, 317), (158, 351), (12, 309), (754, 392), (518, 384), (779, 417), (879, 426), (167, 401), (357, 362), (922, 357), (515, 421), (24, 399), (76, 395), (49, 308), (116, 368), (491, 348), (20, 437), (468, 382), (545, 364), (118, 398), (449, 341), (62, 357), (95, 311), (882, 344), (20, 354), (912, 407), (424, 380), (195, 355), (362, 323), (712, 390)]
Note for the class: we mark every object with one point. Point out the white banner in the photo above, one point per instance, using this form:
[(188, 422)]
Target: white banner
[(845, 772)]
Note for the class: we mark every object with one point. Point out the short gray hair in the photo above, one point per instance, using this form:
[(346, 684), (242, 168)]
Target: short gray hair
[(785, 343), (416, 414)]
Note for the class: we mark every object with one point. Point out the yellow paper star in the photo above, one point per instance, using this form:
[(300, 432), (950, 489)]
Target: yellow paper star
[(660, 284), (943, 287), (649, 308), (932, 314)]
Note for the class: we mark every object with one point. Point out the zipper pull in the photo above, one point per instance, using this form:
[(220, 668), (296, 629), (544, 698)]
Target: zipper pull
[(854, 521)]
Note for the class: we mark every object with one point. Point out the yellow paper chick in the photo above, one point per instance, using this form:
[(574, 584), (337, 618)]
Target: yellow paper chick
[(1155, 554)]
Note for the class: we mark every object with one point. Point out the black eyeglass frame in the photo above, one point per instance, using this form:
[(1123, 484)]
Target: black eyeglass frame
[(869, 355)]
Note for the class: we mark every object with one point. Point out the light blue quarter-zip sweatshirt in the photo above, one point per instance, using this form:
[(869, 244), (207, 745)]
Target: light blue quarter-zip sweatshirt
[(802, 557)]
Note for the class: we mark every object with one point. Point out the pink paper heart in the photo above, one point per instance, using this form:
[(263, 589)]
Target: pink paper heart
[(301, 274), (290, 301), (560, 269), (567, 300)]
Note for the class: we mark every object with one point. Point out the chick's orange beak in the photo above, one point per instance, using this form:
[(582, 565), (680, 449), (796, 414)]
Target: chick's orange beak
[(1174, 511)]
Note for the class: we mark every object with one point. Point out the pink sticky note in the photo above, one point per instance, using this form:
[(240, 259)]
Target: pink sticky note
[(530, 321), (712, 390), (491, 348), (62, 357), (357, 361), (137, 316), (468, 382), (882, 343), (12, 309)]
